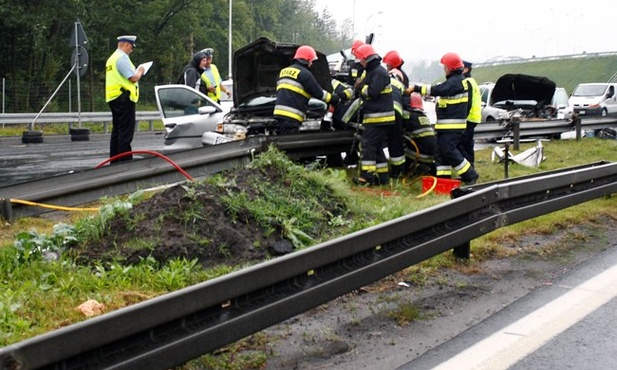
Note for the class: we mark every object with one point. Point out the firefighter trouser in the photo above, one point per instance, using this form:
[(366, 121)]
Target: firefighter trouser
[(449, 157), (373, 162), (396, 147), (123, 127), (285, 126)]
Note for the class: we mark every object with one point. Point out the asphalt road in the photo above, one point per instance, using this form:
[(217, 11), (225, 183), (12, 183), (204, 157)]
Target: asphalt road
[(59, 155), (566, 325)]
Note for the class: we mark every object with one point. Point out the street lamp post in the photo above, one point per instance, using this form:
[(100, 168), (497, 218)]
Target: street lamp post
[(229, 41), (353, 21), (366, 29)]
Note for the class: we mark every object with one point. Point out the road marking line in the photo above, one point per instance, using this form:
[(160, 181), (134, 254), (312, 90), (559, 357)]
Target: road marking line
[(510, 344)]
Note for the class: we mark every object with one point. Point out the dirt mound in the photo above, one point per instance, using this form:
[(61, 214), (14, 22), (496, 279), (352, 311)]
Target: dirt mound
[(201, 221)]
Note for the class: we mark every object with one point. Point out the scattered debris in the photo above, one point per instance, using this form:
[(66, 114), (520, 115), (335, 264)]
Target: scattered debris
[(531, 157), (91, 308)]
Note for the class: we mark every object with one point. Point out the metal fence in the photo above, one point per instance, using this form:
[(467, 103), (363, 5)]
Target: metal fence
[(31, 96)]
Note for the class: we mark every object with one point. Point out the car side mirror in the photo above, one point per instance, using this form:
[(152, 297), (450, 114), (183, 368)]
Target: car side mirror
[(208, 109)]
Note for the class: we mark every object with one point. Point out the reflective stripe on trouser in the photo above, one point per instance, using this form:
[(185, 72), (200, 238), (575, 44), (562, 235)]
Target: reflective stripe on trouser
[(373, 158), (448, 155)]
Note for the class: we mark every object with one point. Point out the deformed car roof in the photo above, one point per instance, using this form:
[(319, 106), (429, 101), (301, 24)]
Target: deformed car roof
[(523, 87), (256, 67)]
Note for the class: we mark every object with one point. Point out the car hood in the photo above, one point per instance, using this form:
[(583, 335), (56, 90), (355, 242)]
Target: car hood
[(256, 67), (523, 88)]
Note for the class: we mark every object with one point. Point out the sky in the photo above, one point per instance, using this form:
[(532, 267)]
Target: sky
[(480, 29)]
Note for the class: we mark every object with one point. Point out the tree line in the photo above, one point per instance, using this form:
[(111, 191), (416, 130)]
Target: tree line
[(35, 55)]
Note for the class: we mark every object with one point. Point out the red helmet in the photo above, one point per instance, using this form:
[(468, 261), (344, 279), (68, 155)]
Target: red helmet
[(452, 61), (355, 45), (306, 52), (393, 59), (416, 101), (364, 51)]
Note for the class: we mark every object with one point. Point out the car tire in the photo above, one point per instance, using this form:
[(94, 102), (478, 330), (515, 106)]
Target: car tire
[(32, 137)]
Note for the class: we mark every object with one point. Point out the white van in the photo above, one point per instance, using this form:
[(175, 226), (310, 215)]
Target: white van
[(594, 99)]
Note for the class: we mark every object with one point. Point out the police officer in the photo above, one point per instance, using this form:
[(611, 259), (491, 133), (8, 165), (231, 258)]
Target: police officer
[(475, 114), (452, 114), (211, 78), (122, 93), (294, 87), (378, 114)]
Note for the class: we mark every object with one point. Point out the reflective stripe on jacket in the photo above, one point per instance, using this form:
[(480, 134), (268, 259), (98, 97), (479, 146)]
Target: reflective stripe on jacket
[(294, 87), (376, 94), (115, 82), (451, 107)]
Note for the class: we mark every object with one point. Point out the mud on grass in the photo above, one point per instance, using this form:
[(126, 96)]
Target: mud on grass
[(243, 216)]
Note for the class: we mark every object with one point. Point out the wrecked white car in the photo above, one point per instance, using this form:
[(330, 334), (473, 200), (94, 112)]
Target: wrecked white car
[(255, 70)]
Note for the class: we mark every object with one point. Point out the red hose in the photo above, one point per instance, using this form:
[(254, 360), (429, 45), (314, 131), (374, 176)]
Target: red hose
[(151, 152)]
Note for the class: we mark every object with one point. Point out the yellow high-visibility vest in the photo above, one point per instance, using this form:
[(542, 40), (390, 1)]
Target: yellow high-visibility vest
[(115, 82)]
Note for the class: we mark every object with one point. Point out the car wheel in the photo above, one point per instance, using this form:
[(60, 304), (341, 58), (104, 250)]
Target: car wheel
[(490, 119)]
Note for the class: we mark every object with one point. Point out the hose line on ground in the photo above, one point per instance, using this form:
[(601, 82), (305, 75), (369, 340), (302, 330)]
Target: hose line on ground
[(63, 208), (151, 152)]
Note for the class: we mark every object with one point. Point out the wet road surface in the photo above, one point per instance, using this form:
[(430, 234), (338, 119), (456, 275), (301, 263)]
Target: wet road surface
[(59, 155)]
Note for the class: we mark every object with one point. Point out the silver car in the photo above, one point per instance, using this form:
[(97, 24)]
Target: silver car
[(187, 114)]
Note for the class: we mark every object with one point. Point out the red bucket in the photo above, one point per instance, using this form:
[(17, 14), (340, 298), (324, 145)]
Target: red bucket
[(442, 186)]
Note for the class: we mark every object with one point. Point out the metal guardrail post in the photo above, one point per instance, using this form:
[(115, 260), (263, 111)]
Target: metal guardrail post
[(577, 126), (6, 209), (516, 135)]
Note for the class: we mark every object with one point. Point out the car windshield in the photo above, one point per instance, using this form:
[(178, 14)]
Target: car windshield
[(485, 91), (180, 101), (589, 90)]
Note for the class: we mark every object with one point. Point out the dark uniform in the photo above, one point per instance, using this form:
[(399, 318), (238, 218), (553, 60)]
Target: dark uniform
[(452, 114), (377, 115), (395, 132), (294, 87), (421, 144)]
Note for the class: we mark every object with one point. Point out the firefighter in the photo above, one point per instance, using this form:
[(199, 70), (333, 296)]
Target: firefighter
[(377, 115), (396, 146), (421, 143), (475, 114), (452, 114), (294, 87), (355, 67)]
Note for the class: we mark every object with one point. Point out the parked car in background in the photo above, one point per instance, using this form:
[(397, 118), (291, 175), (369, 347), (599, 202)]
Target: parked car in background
[(489, 113), (561, 102), (594, 99), (526, 97)]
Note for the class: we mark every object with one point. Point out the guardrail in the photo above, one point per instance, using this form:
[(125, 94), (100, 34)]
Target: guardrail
[(71, 118), (122, 178), (171, 329), (551, 128)]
